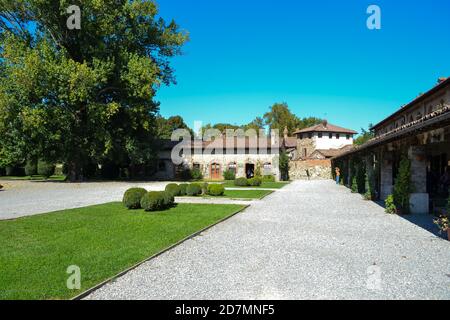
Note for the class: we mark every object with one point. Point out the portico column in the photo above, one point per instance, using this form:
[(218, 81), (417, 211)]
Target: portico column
[(419, 200), (386, 180)]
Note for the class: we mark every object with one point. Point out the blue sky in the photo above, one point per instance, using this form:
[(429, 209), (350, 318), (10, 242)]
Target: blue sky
[(319, 57)]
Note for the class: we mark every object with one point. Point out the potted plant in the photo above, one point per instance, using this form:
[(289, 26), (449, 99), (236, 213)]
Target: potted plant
[(443, 223)]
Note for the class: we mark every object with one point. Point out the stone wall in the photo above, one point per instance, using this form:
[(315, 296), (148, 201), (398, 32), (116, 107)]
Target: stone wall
[(318, 169)]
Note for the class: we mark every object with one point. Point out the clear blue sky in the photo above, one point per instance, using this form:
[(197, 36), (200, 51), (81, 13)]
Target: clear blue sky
[(319, 57)]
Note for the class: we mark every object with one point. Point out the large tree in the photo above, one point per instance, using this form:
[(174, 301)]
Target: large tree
[(165, 127), (87, 95), (280, 116)]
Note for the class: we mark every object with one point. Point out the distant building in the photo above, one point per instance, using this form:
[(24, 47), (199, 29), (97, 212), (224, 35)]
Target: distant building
[(322, 141)]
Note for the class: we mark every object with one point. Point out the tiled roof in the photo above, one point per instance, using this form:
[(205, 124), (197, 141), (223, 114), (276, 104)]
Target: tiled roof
[(290, 142), (326, 127), (330, 153)]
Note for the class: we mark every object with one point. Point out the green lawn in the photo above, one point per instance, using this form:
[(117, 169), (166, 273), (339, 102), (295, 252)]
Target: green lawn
[(102, 240), (37, 177), (268, 185), (246, 194)]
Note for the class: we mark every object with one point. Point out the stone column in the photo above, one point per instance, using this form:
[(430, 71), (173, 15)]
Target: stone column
[(419, 200), (386, 180)]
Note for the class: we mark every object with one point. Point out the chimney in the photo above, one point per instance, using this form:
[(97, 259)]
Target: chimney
[(441, 79), (325, 123), (286, 132)]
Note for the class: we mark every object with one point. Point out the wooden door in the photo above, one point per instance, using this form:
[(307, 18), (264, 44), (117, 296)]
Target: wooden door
[(215, 171)]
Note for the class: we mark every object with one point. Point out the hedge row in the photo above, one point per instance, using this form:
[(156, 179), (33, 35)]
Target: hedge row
[(243, 182), (195, 189), (139, 198)]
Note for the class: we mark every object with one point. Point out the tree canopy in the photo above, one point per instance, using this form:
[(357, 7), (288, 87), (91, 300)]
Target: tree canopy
[(79, 96), (365, 136)]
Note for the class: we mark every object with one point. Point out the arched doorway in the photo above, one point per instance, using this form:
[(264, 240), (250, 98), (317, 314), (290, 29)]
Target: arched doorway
[(215, 171)]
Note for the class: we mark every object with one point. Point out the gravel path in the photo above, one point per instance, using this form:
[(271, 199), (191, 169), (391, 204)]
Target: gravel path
[(309, 240), (24, 198)]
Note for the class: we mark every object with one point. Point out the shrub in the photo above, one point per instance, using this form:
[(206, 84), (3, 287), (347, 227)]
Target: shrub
[(45, 169), (194, 189), (255, 182), (173, 189), (354, 185), (269, 178), (154, 201), (132, 198), (216, 190), (443, 223), (205, 188), (186, 174), (11, 171), (241, 182), (183, 188), (229, 175), (31, 168), (196, 174), (169, 199), (390, 205), (402, 186)]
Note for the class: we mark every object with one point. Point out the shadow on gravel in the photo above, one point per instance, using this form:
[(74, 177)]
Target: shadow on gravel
[(424, 221)]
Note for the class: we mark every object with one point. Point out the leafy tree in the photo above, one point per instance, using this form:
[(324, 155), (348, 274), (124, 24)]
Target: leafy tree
[(364, 136), (279, 117), (165, 127), (257, 124), (284, 166), (82, 96)]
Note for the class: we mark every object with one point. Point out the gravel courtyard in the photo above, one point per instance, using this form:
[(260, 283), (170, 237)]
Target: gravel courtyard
[(23, 198), (309, 240)]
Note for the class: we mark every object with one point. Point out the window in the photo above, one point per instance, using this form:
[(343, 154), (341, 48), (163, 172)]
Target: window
[(304, 153), (162, 166), (310, 135), (196, 166), (348, 137), (330, 136), (267, 168), (232, 167), (320, 134), (338, 135)]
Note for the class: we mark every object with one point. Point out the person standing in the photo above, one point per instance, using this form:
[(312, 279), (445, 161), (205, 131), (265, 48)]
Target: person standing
[(338, 175)]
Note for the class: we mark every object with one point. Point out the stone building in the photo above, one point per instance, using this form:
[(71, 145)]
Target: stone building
[(420, 132), (312, 148), (242, 155)]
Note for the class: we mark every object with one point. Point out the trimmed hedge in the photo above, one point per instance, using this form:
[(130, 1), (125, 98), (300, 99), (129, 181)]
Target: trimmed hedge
[(205, 188), (196, 174), (169, 200), (269, 178), (194, 189), (255, 182), (241, 182), (216, 190), (173, 189), (45, 169), (154, 201), (183, 188), (132, 198)]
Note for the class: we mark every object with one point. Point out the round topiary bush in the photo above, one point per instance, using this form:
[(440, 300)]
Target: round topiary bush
[(31, 168), (216, 190), (173, 188), (169, 199), (45, 169), (132, 198), (255, 182), (194, 189), (183, 188), (241, 182), (154, 201)]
